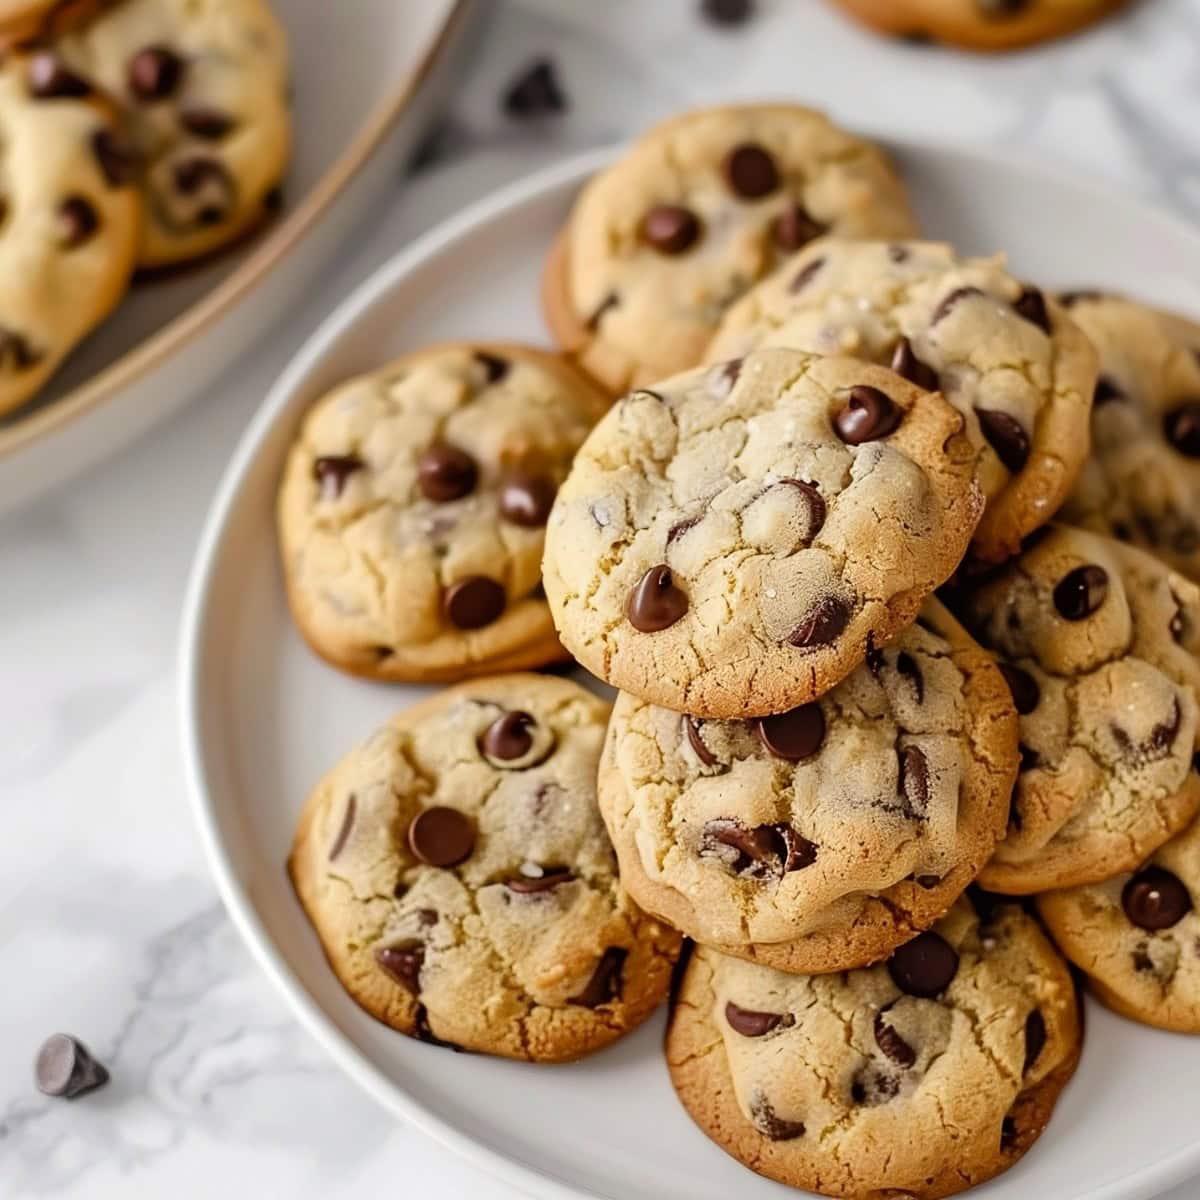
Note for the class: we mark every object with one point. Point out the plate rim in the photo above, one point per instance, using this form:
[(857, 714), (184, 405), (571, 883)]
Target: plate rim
[(1145, 1181)]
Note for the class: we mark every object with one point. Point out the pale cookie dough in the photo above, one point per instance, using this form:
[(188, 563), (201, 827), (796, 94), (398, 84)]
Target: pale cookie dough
[(915, 1078), (412, 511), (699, 209), (1006, 356), (459, 876), (1099, 644), (820, 839), (733, 541)]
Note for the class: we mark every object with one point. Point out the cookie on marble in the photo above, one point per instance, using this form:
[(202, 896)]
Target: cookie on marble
[(733, 541), (1137, 935), (1006, 356), (1098, 641), (413, 506), (820, 839), (699, 209), (457, 871), (69, 222), (203, 91), (917, 1077)]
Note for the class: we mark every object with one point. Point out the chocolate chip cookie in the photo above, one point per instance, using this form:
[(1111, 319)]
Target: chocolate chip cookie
[(413, 506), (1098, 642), (819, 839), (733, 541), (1137, 935), (458, 874), (918, 1077), (203, 91), (69, 222), (1004, 354), (699, 209)]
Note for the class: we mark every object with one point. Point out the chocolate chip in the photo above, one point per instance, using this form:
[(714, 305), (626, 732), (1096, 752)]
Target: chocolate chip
[(869, 415), (906, 665), (272, 200), (1035, 1037), (77, 221), (805, 275), (669, 228), (727, 12), (822, 624), (209, 124), (114, 156), (1155, 899), (427, 916), (1142, 960), (473, 602), (771, 1126), (343, 833), (536, 92), (872, 1087), (681, 527), (593, 321), (605, 983), (1008, 1133), (950, 301), (1024, 688), (16, 354), (898, 253), (702, 752), (813, 500), (525, 885), (795, 735), (908, 366), (65, 1067), (424, 1031), (1028, 760), (656, 602), (752, 1024), (923, 967), (1006, 436), (760, 852), (1070, 299), (1182, 428), (332, 470), (927, 882), (508, 736), (892, 1044), (441, 836), (526, 500), (403, 964), (1106, 392), (794, 227), (1081, 592), (987, 905), (730, 371), (1160, 738), (198, 174), (494, 367), (49, 78), (751, 171), (913, 781), (1001, 8), (154, 72), (1031, 305)]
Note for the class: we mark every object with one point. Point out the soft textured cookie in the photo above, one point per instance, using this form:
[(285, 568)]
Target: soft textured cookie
[(698, 210), (69, 224), (413, 506), (1137, 935), (918, 1077), (733, 541), (1008, 358), (1099, 644), (203, 89), (980, 24), (458, 874), (820, 839)]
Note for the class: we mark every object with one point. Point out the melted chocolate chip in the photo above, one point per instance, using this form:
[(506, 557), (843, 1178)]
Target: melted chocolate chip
[(1024, 688), (403, 964), (65, 1067), (751, 171), (1182, 428), (441, 836), (1031, 305), (908, 366), (1035, 1037), (813, 500), (536, 92), (1006, 436), (906, 665), (656, 602), (339, 842), (1008, 1133), (913, 780), (795, 735), (494, 367), (16, 354), (1160, 738), (154, 72), (524, 885), (77, 222), (760, 852), (821, 625), (681, 527), (927, 882), (753, 1024), (473, 602), (1155, 899), (1081, 592), (508, 736), (702, 752), (950, 301), (526, 500), (923, 967), (892, 1044), (1106, 392), (605, 983), (49, 78), (116, 159), (771, 1126), (669, 228), (593, 322), (869, 414), (208, 124), (794, 227), (424, 1032), (805, 275), (200, 174), (332, 470)]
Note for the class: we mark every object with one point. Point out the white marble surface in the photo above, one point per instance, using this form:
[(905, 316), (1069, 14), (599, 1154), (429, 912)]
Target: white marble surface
[(109, 926)]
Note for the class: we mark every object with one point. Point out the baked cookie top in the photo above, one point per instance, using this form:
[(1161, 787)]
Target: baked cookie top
[(695, 212), (819, 839), (457, 871), (731, 542), (413, 506), (1099, 643), (1005, 355), (920, 1076)]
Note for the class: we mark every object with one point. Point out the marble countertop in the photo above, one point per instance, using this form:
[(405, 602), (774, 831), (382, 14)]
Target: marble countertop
[(109, 925)]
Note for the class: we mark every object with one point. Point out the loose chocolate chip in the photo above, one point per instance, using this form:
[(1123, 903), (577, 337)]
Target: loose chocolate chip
[(906, 665), (508, 736), (702, 752), (923, 967), (869, 415), (114, 156), (154, 72), (1081, 592), (1155, 898), (727, 12), (908, 366), (749, 1023), (794, 227), (1024, 688), (593, 321), (814, 501), (1182, 428), (669, 228), (750, 171), (526, 885), (199, 174), (771, 1126), (913, 780), (77, 221), (403, 964), (209, 124), (805, 275), (1035, 1037), (1031, 305), (473, 602), (441, 836), (48, 77), (332, 470), (343, 833), (445, 473), (65, 1067), (873, 656), (1106, 392), (494, 367), (16, 354), (892, 1044), (536, 92), (1006, 436), (795, 735), (526, 500), (951, 300), (605, 983), (656, 602), (821, 625)]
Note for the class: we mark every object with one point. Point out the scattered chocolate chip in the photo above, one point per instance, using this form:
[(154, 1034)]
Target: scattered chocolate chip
[(16, 354), (1031, 305), (923, 967), (656, 602), (49, 78), (1182, 428), (795, 735), (913, 780), (873, 656), (114, 156), (892, 1044), (526, 500), (77, 221), (908, 366), (669, 228), (1006, 436), (593, 321), (154, 72), (403, 964), (765, 1120), (727, 12), (1035, 1037), (525, 885), (751, 171), (1081, 592), (752, 1024), (1023, 686), (821, 625), (209, 124), (702, 752), (605, 983), (813, 500), (1155, 899), (760, 852), (950, 301), (794, 227), (343, 833), (906, 665), (332, 470), (869, 415), (65, 1067), (441, 836), (494, 367), (805, 275), (508, 736), (536, 92), (1106, 392), (473, 602)]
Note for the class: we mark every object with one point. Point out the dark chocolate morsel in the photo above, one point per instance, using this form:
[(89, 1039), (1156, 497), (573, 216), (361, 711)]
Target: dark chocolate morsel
[(702, 752), (751, 171), (1031, 305), (657, 602), (814, 501), (906, 665), (49, 78), (525, 885), (445, 473), (77, 221), (65, 1067), (923, 967), (869, 414), (526, 500), (605, 983), (403, 964), (763, 851), (154, 72), (1182, 428), (1155, 899), (593, 321), (727, 12), (473, 602), (951, 300), (822, 624), (1106, 392), (1006, 436), (794, 735), (201, 175), (441, 836), (794, 227), (908, 366), (1024, 688), (805, 275), (208, 124), (536, 92), (332, 470), (508, 736), (914, 779), (494, 367), (1081, 592), (343, 833), (16, 354), (892, 1044), (669, 228), (115, 157), (749, 1023), (1035, 1037)]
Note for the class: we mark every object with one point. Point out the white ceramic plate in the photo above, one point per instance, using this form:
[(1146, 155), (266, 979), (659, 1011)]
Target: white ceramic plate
[(262, 719)]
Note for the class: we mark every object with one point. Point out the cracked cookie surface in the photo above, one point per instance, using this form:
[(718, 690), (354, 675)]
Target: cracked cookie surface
[(413, 507), (920, 1076), (1099, 643), (820, 839), (1006, 356), (699, 209), (731, 542), (459, 876)]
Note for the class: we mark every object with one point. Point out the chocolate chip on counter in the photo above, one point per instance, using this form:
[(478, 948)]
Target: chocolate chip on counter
[(208, 124), (473, 602), (1006, 437), (751, 171), (116, 159), (753, 1024), (1035, 1037), (65, 1067), (49, 78), (441, 836), (494, 367), (77, 222), (536, 92), (1182, 428), (908, 366), (923, 967), (508, 736), (1024, 688), (605, 983), (444, 473), (805, 275), (526, 885), (669, 228), (951, 301), (1081, 592), (1155, 899), (795, 227), (727, 12), (154, 72), (657, 602), (343, 834), (403, 964), (332, 470), (869, 414), (526, 500), (821, 624), (892, 1044), (1031, 305), (795, 735)]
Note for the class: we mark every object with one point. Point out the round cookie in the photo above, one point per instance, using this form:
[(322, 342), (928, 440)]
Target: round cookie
[(1099, 644), (203, 89), (918, 1077), (1137, 935), (980, 24), (1007, 357), (457, 871), (412, 511), (698, 210), (821, 839), (69, 225), (732, 542)]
